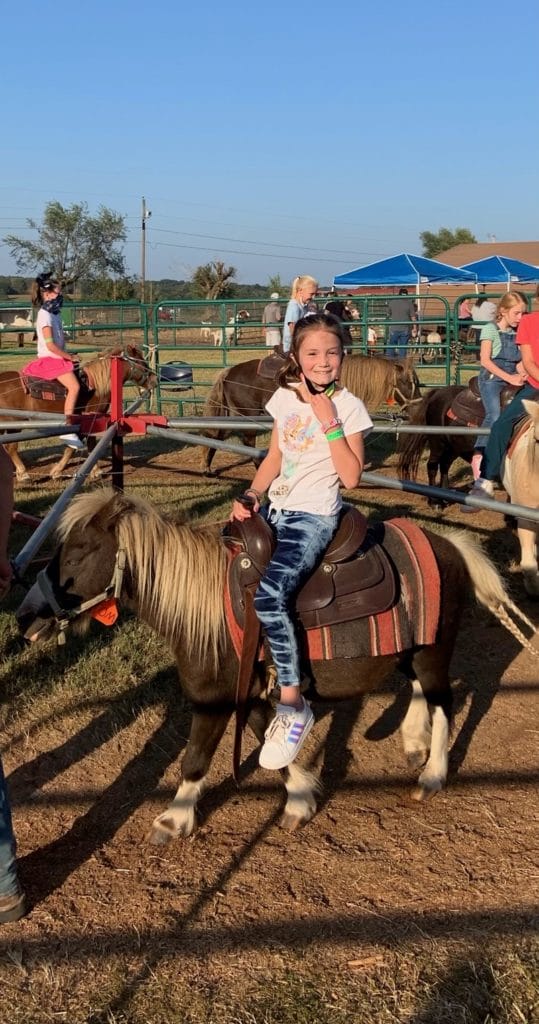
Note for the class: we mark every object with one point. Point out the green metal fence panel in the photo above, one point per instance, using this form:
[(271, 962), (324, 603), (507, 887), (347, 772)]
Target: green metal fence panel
[(211, 335)]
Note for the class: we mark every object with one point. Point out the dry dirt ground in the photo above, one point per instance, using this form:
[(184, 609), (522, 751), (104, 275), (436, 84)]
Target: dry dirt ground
[(381, 909)]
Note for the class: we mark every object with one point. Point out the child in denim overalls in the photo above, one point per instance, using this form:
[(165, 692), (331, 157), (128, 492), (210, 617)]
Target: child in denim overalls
[(500, 364), (316, 445)]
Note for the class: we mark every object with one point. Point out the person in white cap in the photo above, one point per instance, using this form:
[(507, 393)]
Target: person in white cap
[(270, 317)]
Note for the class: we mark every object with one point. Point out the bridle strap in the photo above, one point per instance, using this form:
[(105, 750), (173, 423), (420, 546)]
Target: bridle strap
[(404, 402), (64, 616), (145, 371)]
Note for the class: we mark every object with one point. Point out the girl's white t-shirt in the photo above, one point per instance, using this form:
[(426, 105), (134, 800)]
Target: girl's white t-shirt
[(308, 481), (54, 321)]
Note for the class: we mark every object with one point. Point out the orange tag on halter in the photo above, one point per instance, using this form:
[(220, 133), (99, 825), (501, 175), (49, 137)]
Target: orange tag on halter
[(390, 400), (106, 612)]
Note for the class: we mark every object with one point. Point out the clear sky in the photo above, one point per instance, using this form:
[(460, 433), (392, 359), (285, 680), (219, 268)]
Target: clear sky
[(289, 138)]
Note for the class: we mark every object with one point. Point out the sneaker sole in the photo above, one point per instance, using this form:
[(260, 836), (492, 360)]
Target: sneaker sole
[(15, 913)]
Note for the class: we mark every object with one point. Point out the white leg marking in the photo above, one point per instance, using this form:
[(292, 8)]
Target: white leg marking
[(434, 775), (179, 818), (301, 787), (528, 557), (416, 728)]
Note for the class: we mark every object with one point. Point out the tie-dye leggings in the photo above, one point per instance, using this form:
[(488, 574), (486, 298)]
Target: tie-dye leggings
[(302, 539)]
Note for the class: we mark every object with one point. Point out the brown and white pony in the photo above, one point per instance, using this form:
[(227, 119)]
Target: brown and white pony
[(520, 477), (174, 580)]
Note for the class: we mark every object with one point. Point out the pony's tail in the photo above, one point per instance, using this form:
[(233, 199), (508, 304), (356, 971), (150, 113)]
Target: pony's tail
[(489, 588)]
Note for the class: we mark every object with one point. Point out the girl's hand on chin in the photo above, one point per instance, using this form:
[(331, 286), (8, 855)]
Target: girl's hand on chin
[(323, 407)]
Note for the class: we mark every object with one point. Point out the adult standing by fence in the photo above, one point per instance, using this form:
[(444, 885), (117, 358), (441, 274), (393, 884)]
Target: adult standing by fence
[(403, 314), (303, 291), (270, 318), (12, 902)]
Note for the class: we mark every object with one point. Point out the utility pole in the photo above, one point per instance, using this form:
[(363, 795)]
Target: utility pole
[(146, 214)]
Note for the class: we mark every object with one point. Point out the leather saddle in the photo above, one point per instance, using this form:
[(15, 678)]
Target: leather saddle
[(467, 407), (355, 578), (53, 391), (271, 365)]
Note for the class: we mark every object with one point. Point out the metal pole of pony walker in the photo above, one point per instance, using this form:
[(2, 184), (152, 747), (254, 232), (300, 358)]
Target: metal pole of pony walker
[(446, 494), (116, 414), (21, 561)]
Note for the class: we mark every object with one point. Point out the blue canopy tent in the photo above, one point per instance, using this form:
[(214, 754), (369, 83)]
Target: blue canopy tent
[(502, 270), (403, 269)]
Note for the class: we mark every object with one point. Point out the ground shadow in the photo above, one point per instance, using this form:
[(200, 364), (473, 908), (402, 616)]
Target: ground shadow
[(45, 869)]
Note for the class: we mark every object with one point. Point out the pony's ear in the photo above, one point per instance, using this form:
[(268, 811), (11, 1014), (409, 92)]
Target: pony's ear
[(114, 509)]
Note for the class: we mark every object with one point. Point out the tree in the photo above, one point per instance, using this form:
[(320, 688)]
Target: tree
[(107, 289), (213, 280), (276, 285), (72, 244), (445, 239)]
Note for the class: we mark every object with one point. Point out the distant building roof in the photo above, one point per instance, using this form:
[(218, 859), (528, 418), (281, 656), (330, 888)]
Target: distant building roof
[(460, 255)]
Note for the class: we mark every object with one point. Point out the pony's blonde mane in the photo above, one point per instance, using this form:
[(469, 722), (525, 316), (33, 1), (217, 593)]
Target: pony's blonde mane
[(99, 368), (371, 378), (177, 570)]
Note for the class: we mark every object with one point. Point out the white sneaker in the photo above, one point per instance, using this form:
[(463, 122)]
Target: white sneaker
[(285, 736), (481, 489), (72, 441)]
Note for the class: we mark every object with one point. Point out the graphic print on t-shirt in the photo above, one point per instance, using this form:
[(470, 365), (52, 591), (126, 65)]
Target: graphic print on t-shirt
[(298, 436)]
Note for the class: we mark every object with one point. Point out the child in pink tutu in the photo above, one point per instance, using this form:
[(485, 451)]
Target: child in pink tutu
[(53, 362)]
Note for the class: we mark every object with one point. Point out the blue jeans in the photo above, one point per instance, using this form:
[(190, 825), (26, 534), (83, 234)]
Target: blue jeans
[(302, 539), (8, 869), (398, 343), (500, 435), (490, 391)]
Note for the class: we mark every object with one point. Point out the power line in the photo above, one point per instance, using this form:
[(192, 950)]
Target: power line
[(242, 252)]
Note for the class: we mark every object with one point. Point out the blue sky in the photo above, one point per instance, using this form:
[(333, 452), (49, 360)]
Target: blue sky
[(284, 138)]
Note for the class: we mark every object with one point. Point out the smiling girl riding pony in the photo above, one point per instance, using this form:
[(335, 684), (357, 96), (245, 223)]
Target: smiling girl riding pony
[(316, 445)]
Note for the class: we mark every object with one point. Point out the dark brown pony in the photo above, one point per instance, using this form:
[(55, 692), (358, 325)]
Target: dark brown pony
[(13, 395), (242, 391), (443, 449), (454, 405), (174, 580)]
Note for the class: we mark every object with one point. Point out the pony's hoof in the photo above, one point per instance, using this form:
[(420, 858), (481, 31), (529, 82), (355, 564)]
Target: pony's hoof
[(166, 827), (291, 822), (23, 478), (157, 836), (426, 790)]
